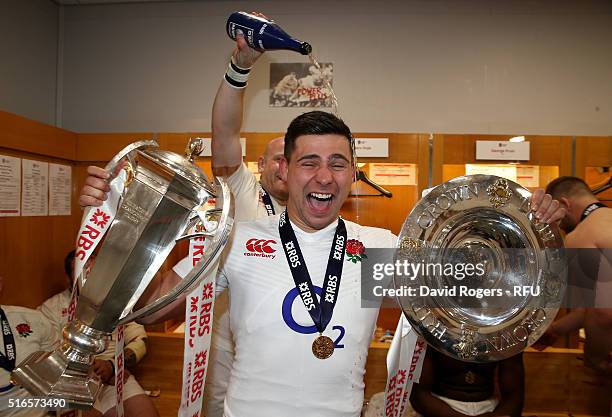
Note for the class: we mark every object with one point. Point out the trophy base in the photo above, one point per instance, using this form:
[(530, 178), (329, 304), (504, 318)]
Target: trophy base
[(49, 374)]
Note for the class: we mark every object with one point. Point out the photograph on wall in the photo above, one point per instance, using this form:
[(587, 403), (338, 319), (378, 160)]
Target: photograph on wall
[(300, 85)]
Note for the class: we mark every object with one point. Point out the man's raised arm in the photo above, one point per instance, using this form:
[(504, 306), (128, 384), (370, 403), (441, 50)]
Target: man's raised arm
[(228, 109)]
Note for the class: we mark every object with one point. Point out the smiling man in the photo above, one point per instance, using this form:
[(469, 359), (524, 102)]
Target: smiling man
[(321, 163), (296, 355)]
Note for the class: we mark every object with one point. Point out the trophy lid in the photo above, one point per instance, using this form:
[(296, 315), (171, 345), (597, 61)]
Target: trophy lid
[(179, 166)]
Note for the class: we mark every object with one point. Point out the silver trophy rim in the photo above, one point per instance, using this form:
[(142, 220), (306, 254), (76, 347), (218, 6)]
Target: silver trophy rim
[(465, 336)]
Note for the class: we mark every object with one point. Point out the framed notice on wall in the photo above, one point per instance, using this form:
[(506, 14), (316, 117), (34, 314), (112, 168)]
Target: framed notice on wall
[(10, 186), (393, 174), (35, 188), (528, 175), (500, 170), (60, 184)]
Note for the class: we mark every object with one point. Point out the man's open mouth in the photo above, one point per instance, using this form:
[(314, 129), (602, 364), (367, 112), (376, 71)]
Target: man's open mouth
[(320, 201)]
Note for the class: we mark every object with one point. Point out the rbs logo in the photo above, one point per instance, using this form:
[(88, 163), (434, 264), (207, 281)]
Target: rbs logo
[(260, 248)]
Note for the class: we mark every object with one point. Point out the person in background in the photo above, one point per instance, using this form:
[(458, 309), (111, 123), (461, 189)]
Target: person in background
[(136, 402), (588, 224), (452, 388), (24, 331)]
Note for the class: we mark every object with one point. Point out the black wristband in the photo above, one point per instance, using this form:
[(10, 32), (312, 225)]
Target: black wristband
[(238, 69), (235, 83)]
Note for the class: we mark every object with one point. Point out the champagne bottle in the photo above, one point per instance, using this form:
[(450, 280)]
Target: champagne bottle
[(263, 34)]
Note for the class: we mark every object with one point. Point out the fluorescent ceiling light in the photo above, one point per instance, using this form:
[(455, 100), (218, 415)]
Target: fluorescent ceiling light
[(517, 139)]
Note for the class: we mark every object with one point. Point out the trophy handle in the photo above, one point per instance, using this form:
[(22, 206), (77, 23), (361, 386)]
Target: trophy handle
[(112, 165), (219, 239)]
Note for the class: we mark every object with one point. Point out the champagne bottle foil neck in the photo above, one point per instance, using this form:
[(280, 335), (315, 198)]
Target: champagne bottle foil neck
[(305, 48)]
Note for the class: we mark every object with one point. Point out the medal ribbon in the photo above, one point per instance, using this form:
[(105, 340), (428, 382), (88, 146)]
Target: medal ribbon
[(591, 208), (119, 370), (267, 200), (321, 312), (7, 360), (404, 364), (198, 330)]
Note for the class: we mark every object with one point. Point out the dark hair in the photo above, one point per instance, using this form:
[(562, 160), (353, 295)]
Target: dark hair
[(68, 263), (315, 123), (567, 187)]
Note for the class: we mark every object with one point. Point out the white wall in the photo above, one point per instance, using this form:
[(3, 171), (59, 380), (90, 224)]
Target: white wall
[(28, 63), (535, 67)]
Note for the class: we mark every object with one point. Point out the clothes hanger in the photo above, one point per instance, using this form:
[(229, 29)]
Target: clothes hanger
[(361, 176), (603, 188)]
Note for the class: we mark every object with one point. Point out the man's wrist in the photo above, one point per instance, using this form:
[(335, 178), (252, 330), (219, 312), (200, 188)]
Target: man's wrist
[(236, 76)]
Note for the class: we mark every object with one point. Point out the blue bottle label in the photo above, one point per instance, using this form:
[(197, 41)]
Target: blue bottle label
[(247, 31)]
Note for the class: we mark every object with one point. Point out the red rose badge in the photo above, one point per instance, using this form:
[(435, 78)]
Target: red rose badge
[(24, 329), (355, 251)]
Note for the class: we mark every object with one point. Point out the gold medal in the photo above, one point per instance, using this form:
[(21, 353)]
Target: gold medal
[(322, 347)]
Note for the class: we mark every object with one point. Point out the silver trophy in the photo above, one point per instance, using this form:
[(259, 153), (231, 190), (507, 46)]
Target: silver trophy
[(164, 198), (518, 281)]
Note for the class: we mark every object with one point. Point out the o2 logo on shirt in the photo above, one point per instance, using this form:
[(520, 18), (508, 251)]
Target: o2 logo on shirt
[(298, 328)]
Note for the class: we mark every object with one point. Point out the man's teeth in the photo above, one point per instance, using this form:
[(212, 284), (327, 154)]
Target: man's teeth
[(320, 196)]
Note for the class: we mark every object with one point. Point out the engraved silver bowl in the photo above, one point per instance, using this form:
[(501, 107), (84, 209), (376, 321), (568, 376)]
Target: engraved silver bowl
[(483, 220)]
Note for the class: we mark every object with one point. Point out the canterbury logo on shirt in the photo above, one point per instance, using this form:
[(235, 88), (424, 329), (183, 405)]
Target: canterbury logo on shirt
[(261, 248)]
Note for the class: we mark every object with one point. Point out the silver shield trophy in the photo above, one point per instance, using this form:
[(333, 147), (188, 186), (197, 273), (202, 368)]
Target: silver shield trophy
[(164, 197), (485, 221)]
